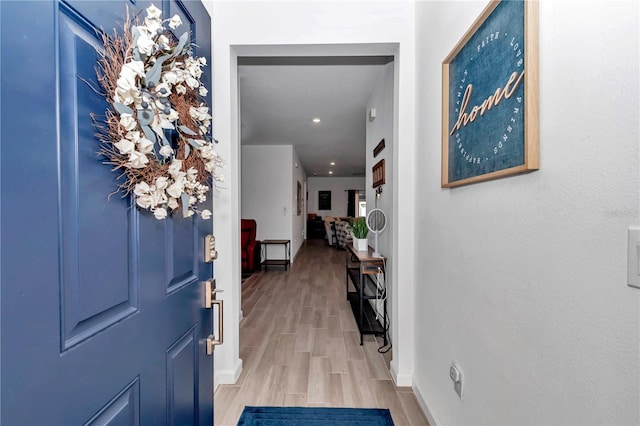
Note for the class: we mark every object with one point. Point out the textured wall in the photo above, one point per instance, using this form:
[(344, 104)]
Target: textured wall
[(522, 281)]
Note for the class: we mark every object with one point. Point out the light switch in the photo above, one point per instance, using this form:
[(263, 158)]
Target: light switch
[(633, 261)]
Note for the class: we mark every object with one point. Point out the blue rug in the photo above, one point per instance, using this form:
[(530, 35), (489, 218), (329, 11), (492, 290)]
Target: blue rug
[(289, 416)]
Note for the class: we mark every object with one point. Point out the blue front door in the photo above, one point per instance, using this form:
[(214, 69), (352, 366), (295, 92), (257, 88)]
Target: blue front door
[(102, 313)]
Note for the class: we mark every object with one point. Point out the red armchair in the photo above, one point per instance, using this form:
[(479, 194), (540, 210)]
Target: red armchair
[(249, 247)]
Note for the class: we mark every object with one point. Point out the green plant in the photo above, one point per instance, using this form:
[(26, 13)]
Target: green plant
[(359, 228)]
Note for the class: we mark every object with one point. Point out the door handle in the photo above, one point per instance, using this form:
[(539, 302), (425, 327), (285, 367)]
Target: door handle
[(212, 342), (210, 300), (210, 291)]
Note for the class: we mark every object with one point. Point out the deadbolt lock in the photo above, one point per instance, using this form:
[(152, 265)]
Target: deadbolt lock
[(210, 252)]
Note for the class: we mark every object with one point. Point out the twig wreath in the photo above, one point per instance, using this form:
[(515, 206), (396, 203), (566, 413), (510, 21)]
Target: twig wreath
[(152, 84)]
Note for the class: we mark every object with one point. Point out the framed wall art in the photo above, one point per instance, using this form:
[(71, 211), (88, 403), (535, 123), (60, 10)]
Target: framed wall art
[(324, 200), (299, 199), (490, 96), (378, 174)]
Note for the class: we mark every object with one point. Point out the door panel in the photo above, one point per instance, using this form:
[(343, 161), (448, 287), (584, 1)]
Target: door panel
[(182, 400), (124, 409), (95, 294), (102, 317), (180, 244)]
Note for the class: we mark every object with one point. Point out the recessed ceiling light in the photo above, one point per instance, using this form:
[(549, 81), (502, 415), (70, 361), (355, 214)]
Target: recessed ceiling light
[(316, 120), (330, 172), (315, 174), (332, 163)]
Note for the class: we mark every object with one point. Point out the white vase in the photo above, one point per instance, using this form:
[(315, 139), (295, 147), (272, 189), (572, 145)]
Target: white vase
[(361, 244)]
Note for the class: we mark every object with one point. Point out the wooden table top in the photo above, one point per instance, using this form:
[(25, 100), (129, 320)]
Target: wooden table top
[(364, 256)]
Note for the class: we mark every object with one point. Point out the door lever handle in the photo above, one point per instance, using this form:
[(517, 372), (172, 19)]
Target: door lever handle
[(210, 291)]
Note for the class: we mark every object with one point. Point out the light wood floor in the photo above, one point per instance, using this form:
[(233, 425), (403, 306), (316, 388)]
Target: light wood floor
[(300, 345)]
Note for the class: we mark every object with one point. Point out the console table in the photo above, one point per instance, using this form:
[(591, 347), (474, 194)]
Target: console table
[(266, 262), (361, 270)]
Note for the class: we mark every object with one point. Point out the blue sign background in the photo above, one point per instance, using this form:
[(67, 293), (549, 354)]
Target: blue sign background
[(493, 141)]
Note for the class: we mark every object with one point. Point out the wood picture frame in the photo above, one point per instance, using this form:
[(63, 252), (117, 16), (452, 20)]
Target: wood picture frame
[(378, 149), (378, 174), (490, 99)]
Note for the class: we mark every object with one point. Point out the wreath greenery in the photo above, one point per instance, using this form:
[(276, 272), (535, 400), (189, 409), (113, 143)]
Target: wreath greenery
[(156, 132)]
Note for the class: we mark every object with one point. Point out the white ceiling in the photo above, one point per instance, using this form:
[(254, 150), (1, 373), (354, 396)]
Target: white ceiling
[(279, 99)]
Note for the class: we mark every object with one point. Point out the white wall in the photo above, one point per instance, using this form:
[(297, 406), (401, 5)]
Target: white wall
[(299, 222), (269, 195), (523, 280), (339, 196), (266, 189), (310, 28), (382, 128)]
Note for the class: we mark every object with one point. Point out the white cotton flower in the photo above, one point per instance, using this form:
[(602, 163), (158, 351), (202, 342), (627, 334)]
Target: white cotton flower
[(173, 115), (141, 188), (124, 146), (194, 70), (144, 201), (220, 178), (160, 213), (170, 77), (145, 145), (138, 160), (126, 90), (127, 97), (175, 189), (145, 44), (163, 40), (188, 214), (192, 173), (133, 136), (125, 83), (175, 22), (203, 91), (206, 214), (159, 197), (166, 151), (180, 89), (207, 152), (132, 69), (175, 167), (192, 82), (192, 200), (127, 121), (173, 203), (153, 12), (202, 60), (153, 25), (161, 183)]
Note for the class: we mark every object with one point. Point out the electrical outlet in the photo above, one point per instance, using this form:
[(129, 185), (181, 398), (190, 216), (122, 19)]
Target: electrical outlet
[(456, 375)]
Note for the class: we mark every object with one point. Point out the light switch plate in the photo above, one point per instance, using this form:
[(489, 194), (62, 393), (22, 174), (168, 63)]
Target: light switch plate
[(633, 261)]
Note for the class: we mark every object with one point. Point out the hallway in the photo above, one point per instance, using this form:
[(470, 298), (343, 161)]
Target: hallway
[(300, 345)]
